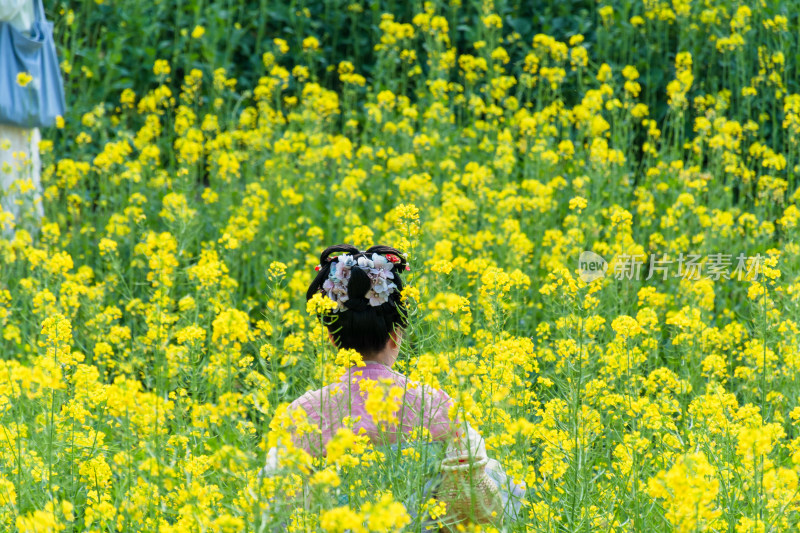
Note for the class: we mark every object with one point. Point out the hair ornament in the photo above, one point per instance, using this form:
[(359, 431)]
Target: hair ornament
[(378, 268), (394, 259)]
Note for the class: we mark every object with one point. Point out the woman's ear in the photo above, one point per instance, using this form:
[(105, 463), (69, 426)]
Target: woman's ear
[(396, 337)]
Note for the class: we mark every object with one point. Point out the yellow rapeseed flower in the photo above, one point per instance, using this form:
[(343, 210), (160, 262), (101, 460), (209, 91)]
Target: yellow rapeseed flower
[(23, 79)]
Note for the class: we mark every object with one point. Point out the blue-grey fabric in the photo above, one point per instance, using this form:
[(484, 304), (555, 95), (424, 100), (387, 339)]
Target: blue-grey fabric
[(42, 100)]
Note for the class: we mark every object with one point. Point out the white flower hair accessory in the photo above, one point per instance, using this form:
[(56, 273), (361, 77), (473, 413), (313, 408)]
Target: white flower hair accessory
[(378, 269)]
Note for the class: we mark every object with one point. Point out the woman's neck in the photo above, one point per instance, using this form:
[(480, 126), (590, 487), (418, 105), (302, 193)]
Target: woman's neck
[(386, 357)]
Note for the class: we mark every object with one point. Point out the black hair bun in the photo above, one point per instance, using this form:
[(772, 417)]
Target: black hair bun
[(359, 284)]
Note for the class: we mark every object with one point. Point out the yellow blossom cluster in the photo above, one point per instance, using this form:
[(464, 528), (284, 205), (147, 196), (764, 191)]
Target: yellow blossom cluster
[(154, 326)]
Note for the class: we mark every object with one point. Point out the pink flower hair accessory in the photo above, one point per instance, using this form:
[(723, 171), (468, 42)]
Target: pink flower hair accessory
[(378, 268)]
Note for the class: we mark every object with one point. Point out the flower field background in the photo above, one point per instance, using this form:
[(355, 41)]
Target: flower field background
[(154, 325)]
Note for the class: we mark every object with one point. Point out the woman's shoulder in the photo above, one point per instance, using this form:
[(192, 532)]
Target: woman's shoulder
[(307, 401), (303, 399), (432, 408), (312, 401), (424, 391)]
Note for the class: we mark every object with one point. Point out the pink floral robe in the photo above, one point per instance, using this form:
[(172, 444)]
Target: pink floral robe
[(421, 406), (326, 408)]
